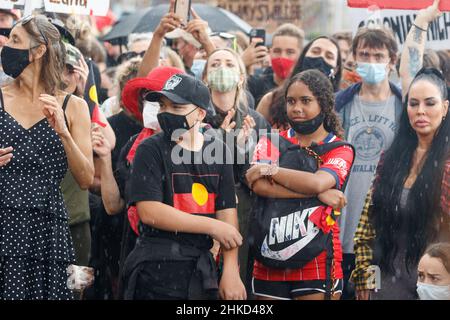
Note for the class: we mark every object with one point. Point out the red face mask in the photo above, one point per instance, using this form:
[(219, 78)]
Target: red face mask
[(351, 76), (282, 67)]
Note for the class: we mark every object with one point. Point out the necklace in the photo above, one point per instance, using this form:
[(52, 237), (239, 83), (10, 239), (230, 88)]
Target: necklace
[(369, 128)]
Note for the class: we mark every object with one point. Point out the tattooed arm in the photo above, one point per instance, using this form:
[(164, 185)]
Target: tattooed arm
[(414, 47)]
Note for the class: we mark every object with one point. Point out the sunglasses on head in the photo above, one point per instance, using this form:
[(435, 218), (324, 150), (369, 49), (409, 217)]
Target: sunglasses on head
[(129, 55), (431, 71), (27, 19), (223, 35)]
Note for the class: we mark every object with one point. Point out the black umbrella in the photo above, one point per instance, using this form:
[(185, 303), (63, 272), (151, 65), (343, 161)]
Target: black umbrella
[(147, 21)]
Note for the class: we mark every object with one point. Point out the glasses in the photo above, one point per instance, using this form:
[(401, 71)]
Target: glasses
[(129, 55), (26, 20)]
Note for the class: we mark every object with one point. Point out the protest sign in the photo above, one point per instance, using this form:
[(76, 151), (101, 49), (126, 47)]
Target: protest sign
[(400, 22), (9, 4), (267, 14), (399, 4), (85, 7)]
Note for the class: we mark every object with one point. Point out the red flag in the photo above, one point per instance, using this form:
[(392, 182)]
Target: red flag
[(91, 97), (399, 4), (194, 193)]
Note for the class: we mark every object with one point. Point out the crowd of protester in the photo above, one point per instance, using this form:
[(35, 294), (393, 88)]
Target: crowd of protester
[(201, 141)]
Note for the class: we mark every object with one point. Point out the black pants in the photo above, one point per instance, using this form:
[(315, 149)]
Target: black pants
[(348, 265), (168, 281)]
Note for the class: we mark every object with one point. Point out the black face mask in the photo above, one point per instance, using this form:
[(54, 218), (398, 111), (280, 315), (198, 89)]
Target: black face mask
[(307, 127), (170, 122), (14, 61), (318, 64)]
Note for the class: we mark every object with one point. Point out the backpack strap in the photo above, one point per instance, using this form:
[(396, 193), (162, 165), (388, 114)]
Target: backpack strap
[(284, 144), (64, 107), (329, 281), (321, 149), (1, 100)]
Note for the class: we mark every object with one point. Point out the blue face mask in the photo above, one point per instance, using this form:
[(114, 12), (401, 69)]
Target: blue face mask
[(197, 68), (433, 292), (372, 73)]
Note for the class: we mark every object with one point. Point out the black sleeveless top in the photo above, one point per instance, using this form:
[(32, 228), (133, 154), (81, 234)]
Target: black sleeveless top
[(35, 242)]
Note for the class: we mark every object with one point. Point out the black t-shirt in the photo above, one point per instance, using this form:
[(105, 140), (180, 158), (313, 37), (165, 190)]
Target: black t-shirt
[(200, 189), (122, 173), (124, 128), (260, 84)]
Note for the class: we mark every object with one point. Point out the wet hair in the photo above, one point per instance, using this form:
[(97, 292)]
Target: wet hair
[(424, 212), (444, 63), (343, 36), (290, 30), (174, 59), (137, 37), (92, 48), (125, 72), (277, 108), (379, 38), (323, 91), (54, 59), (440, 251)]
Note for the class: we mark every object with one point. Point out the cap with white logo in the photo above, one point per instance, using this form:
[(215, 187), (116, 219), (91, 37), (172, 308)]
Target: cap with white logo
[(183, 89)]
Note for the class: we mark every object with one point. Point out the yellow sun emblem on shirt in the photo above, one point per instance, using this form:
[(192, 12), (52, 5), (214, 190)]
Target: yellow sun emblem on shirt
[(199, 194)]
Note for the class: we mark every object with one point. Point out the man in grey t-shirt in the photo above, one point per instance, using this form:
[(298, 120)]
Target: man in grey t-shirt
[(370, 112)]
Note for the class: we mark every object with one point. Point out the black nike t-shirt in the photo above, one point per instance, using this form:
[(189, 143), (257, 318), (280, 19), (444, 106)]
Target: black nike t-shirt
[(193, 182)]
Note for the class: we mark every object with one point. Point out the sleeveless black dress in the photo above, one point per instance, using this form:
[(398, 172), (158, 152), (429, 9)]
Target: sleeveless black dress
[(35, 242)]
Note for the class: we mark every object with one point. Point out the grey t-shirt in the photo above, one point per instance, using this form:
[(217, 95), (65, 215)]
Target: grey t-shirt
[(370, 138)]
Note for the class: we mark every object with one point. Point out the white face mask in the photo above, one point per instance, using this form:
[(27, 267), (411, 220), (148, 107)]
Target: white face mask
[(433, 292), (150, 115)]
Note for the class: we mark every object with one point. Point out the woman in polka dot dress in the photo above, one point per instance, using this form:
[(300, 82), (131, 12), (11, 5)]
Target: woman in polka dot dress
[(43, 132)]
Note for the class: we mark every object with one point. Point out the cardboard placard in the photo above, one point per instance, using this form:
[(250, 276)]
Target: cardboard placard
[(399, 4), (9, 4), (400, 22), (84, 7), (267, 14)]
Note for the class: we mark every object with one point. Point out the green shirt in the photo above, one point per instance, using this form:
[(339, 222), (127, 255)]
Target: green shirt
[(76, 200)]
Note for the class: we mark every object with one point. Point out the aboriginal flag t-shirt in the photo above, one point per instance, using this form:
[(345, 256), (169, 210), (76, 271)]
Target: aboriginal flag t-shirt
[(193, 182)]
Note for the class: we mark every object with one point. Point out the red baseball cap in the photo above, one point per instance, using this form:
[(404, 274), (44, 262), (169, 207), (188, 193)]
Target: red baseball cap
[(154, 81)]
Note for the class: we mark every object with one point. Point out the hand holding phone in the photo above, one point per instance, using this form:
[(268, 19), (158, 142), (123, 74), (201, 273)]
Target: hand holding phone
[(259, 34), (183, 10)]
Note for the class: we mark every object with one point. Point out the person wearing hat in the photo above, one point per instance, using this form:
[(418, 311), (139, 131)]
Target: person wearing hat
[(188, 40), (183, 205)]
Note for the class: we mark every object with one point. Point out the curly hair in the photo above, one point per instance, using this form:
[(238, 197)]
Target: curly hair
[(322, 89)]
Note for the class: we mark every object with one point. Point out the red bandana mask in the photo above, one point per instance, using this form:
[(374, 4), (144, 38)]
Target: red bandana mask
[(282, 67)]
